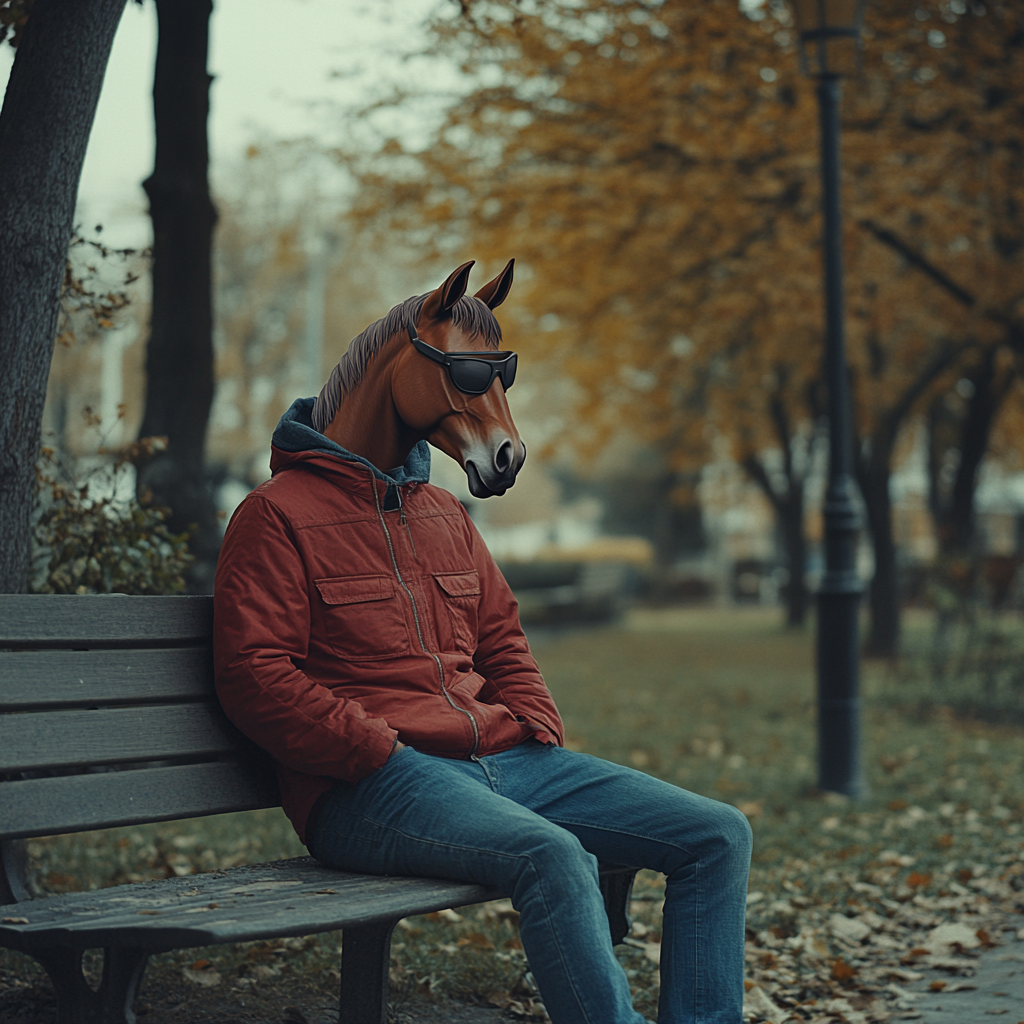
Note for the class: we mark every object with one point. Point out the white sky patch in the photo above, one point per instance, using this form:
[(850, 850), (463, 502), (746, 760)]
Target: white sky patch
[(281, 70)]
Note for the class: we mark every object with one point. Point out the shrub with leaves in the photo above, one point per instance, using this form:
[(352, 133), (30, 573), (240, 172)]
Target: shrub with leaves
[(973, 663), (89, 538)]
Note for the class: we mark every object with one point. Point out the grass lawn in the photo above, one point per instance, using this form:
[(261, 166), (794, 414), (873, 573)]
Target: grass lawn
[(720, 702)]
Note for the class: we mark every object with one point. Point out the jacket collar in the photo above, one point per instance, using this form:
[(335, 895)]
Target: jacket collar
[(296, 439)]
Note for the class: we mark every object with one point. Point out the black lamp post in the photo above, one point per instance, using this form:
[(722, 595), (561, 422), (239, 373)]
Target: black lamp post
[(830, 40)]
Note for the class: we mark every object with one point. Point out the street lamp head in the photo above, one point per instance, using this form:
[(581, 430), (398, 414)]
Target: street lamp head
[(830, 36)]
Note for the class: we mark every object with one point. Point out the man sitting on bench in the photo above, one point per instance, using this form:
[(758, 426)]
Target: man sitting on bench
[(365, 638)]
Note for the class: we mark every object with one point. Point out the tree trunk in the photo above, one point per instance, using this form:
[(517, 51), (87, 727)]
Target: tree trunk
[(47, 115), (796, 554), (884, 599), (179, 356), (989, 392), (789, 513)]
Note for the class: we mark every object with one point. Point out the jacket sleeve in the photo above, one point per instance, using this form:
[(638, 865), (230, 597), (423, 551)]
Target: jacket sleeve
[(261, 635), (503, 655)]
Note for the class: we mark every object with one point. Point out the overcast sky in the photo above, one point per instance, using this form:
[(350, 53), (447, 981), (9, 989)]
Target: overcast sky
[(272, 61)]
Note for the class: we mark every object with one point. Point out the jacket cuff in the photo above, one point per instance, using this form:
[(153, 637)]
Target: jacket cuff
[(374, 752), (541, 733)]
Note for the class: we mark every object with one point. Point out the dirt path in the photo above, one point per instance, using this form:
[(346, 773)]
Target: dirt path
[(166, 999), (994, 992)]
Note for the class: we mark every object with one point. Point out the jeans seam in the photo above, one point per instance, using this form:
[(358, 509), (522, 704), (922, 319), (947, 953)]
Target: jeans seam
[(416, 839), (562, 822), (558, 944), (698, 978), (469, 849)]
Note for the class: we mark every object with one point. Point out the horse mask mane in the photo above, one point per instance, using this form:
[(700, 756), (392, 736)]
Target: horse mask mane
[(469, 313)]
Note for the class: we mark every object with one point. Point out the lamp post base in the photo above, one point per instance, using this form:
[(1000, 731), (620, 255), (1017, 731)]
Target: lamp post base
[(839, 765)]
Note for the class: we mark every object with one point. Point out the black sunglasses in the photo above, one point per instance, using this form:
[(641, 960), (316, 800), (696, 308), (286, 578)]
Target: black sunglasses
[(470, 373)]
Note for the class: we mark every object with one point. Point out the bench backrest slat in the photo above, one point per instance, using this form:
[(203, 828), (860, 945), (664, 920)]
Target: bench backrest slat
[(44, 807), (111, 700), (51, 679), (66, 739), (110, 620)]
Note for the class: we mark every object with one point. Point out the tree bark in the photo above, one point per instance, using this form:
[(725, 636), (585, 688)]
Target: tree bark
[(179, 356), (982, 407), (789, 504), (873, 470), (47, 115), (789, 513), (795, 542)]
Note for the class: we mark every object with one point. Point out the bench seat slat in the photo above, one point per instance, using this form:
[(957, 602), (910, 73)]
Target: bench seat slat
[(109, 620), (38, 679), (63, 739), (283, 901), (49, 807)]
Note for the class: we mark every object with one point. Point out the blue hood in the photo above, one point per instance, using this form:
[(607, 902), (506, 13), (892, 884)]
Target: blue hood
[(295, 433)]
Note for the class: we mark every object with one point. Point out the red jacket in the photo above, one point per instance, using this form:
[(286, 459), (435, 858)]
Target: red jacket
[(340, 626)]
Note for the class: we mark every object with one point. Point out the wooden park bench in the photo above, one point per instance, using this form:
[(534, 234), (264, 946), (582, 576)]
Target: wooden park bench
[(108, 717)]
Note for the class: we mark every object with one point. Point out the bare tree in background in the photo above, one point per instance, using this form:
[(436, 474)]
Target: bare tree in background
[(179, 358)]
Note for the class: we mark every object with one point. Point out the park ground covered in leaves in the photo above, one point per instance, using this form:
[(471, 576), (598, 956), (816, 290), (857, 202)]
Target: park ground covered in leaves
[(849, 902)]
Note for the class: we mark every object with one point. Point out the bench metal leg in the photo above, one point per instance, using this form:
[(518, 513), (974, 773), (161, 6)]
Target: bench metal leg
[(617, 889), (77, 1003), (122, 975), (365, 958), (15, 883)]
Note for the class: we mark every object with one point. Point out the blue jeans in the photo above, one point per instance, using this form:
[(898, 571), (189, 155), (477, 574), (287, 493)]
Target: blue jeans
[(534, 821)]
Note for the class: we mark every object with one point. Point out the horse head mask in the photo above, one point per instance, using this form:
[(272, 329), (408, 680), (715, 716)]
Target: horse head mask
[(430, 370)]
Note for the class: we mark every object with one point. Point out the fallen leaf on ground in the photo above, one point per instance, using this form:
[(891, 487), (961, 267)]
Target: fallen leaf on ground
[(848, 927), (444, 915), (954, 933), (902, 974), (842, 971), (756, 1003), (202, 976)]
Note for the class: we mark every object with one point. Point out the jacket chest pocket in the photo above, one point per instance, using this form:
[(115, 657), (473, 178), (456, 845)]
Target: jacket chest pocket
[(363, 617), (460, 595)]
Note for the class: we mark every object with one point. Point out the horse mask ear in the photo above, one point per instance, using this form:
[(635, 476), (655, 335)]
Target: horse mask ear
[(494, 293), (440, 302)]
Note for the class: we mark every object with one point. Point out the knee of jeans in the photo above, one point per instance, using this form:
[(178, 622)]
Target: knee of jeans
[(556, 852), (735, 833)]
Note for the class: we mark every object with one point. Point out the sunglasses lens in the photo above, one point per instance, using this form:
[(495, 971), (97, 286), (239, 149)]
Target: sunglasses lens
[(472, 375), (508, 374)]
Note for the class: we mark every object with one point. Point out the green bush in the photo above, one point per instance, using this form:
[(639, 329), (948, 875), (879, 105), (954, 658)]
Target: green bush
[(87, 540), (972, 663)]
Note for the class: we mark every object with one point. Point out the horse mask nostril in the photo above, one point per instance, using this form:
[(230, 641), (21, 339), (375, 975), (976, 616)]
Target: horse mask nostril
[(503, 457)]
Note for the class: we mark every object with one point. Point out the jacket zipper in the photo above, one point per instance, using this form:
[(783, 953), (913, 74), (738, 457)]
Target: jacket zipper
[(416, 615), (405, 523)]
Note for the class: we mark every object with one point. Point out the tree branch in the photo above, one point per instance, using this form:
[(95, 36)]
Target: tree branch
[(939, 362), (752, 464), (1014, 328), (913, 257)]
